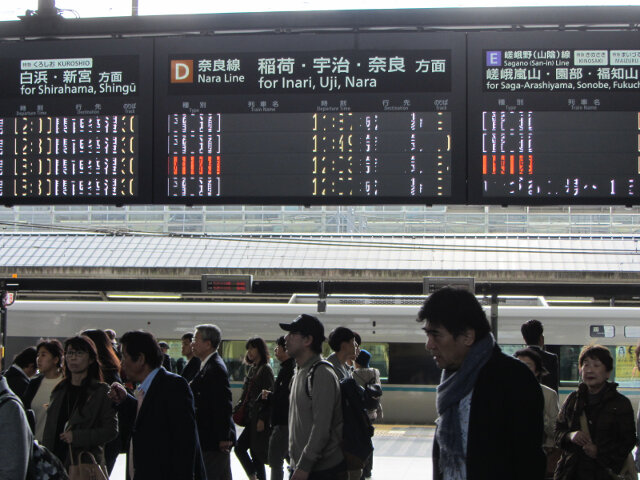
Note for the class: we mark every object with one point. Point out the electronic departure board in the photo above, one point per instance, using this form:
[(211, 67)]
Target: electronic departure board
[(76, 121), (310, 119), (554, 118)]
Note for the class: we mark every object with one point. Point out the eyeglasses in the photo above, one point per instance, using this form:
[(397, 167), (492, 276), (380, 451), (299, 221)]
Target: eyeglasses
[(76, 353)]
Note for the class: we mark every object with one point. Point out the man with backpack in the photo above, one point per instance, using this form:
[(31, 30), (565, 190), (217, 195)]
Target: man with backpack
[(16, 439), (315, 412)]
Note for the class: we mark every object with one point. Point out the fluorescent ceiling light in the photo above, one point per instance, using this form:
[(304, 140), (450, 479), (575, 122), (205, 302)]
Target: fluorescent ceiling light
[(145, 296), (570, 300)]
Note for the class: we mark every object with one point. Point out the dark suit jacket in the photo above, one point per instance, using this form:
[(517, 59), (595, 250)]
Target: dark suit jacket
[(191, 369), (166, 362), (550, 362), (505, 424), (212, 395), (31, 390), (165, 439), (17, 381)]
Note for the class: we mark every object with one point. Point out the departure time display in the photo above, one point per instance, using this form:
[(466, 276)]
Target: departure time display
[(555, 118), (75, 122), (242, 120)]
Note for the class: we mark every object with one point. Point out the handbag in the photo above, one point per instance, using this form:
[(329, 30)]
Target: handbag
[(628, 471), (86, 471), (241, 415)]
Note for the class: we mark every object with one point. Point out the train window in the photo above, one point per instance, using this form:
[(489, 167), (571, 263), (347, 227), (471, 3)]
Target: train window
[(568, 358), (632, 331), (602, 331), (233, 353), (379, 358), (410, 364), (625, 370), (511, 349)]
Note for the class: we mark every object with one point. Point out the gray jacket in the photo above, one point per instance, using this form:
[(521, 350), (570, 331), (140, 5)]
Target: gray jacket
[(16, 440), (93, 425), (315, 421)]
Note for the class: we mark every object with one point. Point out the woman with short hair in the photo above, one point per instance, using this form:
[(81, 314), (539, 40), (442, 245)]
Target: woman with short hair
[(595, 428)]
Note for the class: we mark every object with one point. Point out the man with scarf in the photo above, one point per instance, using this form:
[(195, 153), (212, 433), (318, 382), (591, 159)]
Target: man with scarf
[(490, 406)]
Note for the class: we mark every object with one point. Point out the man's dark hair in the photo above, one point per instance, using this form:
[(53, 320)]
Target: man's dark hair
[(139, 342), (596, 352), (187, 336), (26, 357), (281, 341), (532, 331), (339, 336), (456, 310)]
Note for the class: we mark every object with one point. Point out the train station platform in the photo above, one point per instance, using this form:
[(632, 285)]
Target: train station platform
[(401, 451)]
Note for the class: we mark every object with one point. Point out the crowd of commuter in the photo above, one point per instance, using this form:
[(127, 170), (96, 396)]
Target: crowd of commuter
[(499, 416)]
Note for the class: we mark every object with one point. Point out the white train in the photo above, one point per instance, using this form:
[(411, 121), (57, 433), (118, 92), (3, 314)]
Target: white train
[(386, 324)]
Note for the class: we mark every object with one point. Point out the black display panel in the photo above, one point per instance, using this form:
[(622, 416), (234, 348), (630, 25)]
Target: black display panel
[(76, 121), (554, 118), (310, 119)]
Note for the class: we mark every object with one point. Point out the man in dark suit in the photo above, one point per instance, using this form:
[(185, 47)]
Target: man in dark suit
[(164, 440), (212, 395), (192, 366), (532, 333), (19, 374)]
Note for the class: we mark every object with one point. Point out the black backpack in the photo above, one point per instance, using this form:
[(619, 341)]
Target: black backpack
[(43, 464), (357, 429)]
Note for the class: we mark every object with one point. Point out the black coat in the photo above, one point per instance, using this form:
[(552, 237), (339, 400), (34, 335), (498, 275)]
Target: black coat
[(505, 424), (17, 381), (165, 439), (258, 378), (213, 404), (279, 399), (167, 364), (611, 427), (191, 369), (550, 363)]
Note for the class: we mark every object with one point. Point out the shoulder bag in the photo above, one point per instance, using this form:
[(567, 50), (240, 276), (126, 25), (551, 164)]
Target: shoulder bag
[(86, 471), (629, 470), (241, 414)]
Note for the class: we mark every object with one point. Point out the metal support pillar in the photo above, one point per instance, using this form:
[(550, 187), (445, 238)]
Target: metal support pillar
[(494, 314)]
